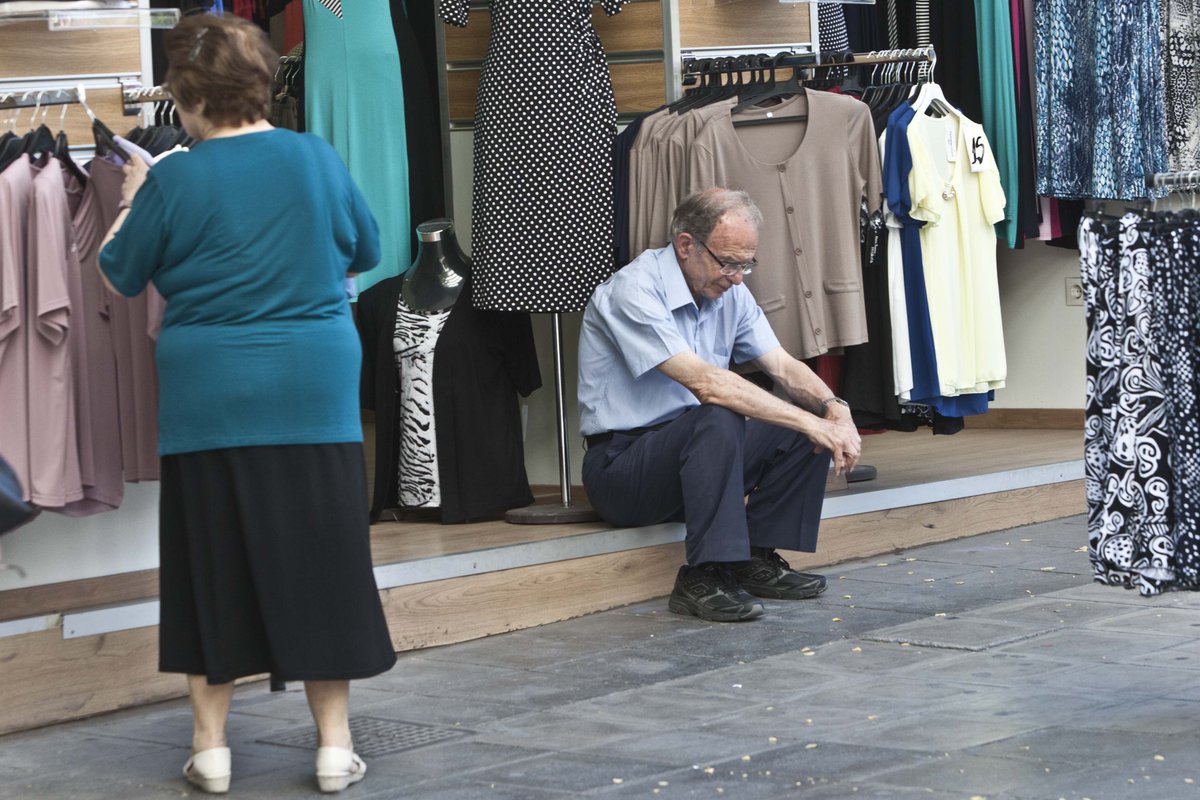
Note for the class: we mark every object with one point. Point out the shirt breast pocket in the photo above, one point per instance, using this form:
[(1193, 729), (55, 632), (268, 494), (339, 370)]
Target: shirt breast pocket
[(719, 358)]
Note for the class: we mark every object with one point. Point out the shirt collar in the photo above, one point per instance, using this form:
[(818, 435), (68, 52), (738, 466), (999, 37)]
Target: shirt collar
[(678, 293)]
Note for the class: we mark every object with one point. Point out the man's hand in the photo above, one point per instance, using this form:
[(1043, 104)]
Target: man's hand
[(840, 438)]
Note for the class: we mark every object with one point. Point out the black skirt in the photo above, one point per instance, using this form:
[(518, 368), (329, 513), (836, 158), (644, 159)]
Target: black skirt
[(265, 565)]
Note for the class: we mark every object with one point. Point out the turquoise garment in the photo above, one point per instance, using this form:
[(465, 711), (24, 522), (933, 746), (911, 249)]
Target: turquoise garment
[(249, 239), (354, 99), (998, 93)]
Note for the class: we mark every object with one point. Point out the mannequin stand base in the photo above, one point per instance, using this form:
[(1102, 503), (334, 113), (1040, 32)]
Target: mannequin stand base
[(551, 514)]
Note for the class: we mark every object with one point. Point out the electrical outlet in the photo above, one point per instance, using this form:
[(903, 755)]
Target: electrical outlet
[(1074, 291)]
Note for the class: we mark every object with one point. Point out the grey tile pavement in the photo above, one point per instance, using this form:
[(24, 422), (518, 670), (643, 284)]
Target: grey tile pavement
[(987, 667)]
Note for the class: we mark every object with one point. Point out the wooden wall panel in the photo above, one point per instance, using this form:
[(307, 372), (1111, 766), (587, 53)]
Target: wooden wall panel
[(636, 87), (469, 43), (28, 49), (1029, 418), (48, 679), (56, 598), (637, 27), (731, 23), (462, 87)]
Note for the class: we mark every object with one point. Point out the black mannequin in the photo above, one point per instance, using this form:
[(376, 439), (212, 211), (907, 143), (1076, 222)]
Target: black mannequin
[(435, 279)]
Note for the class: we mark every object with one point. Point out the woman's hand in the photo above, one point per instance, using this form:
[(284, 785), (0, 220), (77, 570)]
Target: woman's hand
[(135, 175)]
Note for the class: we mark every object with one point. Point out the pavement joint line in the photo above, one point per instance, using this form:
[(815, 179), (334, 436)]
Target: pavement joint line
[(1023, 637)]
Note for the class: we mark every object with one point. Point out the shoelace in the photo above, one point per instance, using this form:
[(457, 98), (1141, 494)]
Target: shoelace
[(723, 576), (774, 559)]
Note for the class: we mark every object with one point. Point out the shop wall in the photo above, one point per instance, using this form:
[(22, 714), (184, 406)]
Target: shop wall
[(55, 548), (1044, 338)]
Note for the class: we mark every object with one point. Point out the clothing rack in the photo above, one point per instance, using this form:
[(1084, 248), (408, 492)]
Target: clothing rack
[(36, 98), (147, 94), (693, 68), (1175, 181), (96, 18)]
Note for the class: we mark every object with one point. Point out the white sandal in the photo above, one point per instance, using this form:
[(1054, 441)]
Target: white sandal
[(210, 770), (337, 768)]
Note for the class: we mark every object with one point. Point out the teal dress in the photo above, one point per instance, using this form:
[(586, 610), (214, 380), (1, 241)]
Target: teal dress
[(993, 33), (354, 99)]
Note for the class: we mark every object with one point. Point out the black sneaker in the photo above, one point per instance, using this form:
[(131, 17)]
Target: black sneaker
[(766, 574), (708, 591)]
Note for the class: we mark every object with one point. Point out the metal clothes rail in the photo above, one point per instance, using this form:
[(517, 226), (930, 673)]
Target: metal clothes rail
[(96, 18), (1175, 181), (694, 68)]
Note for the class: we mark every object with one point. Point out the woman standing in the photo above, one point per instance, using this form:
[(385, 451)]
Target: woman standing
[(264, 549)]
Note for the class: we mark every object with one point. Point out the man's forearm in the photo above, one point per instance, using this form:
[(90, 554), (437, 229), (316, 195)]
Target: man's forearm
[(800, 383)]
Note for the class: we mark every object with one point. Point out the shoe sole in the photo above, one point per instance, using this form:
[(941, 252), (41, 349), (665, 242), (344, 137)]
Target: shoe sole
[(771, 593), (332, 784), (218, 785), (679, 605)]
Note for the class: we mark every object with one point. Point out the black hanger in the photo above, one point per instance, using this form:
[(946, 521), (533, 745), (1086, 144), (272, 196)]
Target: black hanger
[(62, 152), (106, 140), (10, 149), (793, 85), (709, 89), (38, 141)]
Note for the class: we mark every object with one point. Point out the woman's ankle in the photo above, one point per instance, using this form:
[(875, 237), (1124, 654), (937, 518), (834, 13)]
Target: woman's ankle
[(202, 742)]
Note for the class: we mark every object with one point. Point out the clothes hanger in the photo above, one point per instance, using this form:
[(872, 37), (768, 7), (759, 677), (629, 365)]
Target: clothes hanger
[(852, 81), (792, 86), (39, 140), (14, 145), (700, 94), (10, 143), (62, 148), (762, 75), (105, 138)]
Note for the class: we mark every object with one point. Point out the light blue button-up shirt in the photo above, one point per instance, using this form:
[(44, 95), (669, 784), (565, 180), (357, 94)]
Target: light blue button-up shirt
[(639, 318)]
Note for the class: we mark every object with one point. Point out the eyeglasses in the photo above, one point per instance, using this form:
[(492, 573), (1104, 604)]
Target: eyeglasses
[(731, 268)]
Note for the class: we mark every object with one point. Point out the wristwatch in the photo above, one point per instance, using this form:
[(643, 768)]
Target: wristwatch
[(827, 401)]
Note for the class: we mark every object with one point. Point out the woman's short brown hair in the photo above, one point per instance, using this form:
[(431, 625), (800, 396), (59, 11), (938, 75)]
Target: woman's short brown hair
[(226, 62)]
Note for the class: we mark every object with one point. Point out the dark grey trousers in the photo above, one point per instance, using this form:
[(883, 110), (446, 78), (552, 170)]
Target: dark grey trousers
[(698, 469)]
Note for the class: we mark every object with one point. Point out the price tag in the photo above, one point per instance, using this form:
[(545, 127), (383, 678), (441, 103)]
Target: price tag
[(978, 145), (951, 144)]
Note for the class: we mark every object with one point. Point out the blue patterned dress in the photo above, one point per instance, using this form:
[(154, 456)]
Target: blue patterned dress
[(1101, 122)]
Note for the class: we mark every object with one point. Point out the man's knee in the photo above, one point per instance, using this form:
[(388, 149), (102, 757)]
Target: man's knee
[(720, 418)]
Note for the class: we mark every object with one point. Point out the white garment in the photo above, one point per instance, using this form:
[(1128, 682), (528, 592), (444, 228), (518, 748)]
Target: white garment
[(955, 188), (902, 369)]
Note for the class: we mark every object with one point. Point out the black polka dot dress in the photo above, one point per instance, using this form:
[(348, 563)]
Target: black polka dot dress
[(542, 211)]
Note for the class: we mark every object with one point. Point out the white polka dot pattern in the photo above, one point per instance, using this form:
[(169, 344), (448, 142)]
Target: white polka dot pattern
[(545, 119)]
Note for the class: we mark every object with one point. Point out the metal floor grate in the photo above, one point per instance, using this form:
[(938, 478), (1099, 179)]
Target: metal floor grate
[(373, 737)]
